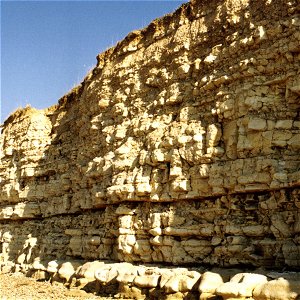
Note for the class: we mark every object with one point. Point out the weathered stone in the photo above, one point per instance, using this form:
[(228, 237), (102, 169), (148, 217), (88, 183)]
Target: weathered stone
[(106, 273), (67, 270), (126, 273), (180, 147), (241, 285), (146, 281), (181, 282), (52, 266), (210, 282), (88, 270), (277, 289)]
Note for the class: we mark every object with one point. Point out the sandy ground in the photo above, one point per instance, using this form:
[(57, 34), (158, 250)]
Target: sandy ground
[(18, 287)]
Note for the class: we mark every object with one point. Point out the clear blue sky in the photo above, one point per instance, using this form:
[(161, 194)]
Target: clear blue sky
[(47, 47)]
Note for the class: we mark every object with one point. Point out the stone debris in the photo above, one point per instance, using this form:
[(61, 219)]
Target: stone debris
[(241, 285), (209, 283), (181, 147), (277, 289), (131, 281)]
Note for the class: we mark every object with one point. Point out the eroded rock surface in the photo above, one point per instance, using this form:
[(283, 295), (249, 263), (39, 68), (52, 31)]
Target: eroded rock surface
[(125, 280), (181, 146)]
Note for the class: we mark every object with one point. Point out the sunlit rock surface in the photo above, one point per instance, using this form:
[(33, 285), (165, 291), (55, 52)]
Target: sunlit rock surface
[(181, 147)]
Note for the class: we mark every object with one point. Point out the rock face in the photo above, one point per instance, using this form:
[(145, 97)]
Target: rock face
[(181, 146)]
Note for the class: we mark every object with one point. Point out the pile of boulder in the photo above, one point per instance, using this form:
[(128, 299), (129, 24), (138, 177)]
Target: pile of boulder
[(129, 281)]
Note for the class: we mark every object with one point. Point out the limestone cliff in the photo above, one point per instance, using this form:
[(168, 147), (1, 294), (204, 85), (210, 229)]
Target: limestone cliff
[(181, 146)]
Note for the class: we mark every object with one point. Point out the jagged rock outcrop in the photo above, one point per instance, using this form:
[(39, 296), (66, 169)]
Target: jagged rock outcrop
[(181, 146)]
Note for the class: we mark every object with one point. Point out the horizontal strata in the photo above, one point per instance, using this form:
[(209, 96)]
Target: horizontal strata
[(250, 229), (180, 147)]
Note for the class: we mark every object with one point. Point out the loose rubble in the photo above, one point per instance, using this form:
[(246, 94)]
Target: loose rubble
[(128, 281)]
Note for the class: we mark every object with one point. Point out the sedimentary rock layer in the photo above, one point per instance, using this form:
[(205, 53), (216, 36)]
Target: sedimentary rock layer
[(181, 146)]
